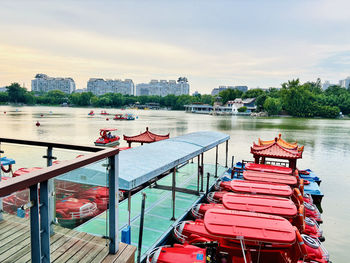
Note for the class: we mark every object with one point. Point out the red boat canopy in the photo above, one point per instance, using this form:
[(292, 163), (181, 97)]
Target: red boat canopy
[(108, 129), (269, 177), (275, 150), (241, 186), (268, 168), (249, 226), (145, 137), (260, 203)]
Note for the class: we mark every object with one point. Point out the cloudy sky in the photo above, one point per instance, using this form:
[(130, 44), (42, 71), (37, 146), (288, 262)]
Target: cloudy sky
[(212, 43)]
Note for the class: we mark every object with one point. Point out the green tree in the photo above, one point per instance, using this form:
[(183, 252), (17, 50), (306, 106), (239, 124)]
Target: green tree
[(242, 109), (16, 93), (4, 97), (272, 106), (253, 93), (260, 100), (230, 94)]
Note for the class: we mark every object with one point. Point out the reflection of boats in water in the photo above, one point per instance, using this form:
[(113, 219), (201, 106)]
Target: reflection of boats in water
[(124, 117), (107, 139)]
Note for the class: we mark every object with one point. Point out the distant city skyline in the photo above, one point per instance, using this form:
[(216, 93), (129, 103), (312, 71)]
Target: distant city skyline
[(212, 43)]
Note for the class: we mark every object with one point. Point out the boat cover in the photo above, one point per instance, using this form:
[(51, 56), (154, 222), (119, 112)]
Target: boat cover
[(249, 226), (241, 186), (268, 168), (269, 177), (260, 203)]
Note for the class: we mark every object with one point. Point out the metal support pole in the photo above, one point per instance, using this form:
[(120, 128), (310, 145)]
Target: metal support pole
[(198, 173), (139, 247), (232, 162), (129, 206), (173, 192), (45, 221), (208, 178), (35, 224), (202, 171), (113, 173), (51, 191), (216, 161), (226, 153)]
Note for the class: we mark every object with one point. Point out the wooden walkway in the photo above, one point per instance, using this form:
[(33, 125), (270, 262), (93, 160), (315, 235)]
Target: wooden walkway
[(66, 245)]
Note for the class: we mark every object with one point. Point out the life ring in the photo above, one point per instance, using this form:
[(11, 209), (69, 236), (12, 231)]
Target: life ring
[(301, 216), (311, 242), (298, 195), (6, 170), (301, 243)]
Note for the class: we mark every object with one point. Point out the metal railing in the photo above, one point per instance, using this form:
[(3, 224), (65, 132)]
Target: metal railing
[(40, 218)]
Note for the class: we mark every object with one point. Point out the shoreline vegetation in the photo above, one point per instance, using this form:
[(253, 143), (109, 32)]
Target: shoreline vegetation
[(292, 99)]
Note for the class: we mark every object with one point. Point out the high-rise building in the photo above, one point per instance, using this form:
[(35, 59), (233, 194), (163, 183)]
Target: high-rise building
[(100, 86), (344, 83), (44, 83), (163, 88), (216, 91)]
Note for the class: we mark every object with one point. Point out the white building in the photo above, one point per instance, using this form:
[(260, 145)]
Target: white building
[(44, 83), (344, 83), (163, 88), (100, 86)]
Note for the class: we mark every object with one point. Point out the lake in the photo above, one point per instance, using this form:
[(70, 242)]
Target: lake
[(327, 146)]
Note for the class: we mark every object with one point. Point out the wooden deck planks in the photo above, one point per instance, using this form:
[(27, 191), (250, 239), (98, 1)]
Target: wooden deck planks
[(66, 245)]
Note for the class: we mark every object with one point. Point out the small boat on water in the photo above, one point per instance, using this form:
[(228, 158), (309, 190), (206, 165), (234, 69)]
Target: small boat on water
[(91, 113), (107, 139), (103, 112), (124, 117)]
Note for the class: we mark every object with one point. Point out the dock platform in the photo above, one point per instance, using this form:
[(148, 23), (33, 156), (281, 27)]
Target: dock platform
[(67, 245), (158, 210)]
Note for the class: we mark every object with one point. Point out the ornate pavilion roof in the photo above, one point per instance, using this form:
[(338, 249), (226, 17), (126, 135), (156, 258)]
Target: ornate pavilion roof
[(146, 137), (283, 143), (276, 150)]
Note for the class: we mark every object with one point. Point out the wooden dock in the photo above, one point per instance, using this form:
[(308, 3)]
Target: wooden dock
[(66, 245)]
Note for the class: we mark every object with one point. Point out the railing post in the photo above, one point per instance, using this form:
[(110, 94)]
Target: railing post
[(202, 170), (113, 175), (35, 224), (45, 221), (226, 153), (51, 191)]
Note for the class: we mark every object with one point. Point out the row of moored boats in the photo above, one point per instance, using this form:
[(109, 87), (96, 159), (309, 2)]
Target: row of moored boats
[(258, 212)]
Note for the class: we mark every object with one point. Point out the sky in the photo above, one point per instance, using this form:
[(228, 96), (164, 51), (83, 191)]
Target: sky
[(212, 43)]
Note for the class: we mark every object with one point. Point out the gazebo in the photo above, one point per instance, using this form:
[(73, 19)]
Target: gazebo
[(145, 137), (277, 151), (283, 143)]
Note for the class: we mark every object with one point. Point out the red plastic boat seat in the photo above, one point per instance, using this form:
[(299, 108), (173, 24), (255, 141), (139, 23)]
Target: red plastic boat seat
[(241, 186), (249, 226), (268, 168), (270, 177), (260, 203)]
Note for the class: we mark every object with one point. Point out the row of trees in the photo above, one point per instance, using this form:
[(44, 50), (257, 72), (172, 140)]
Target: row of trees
[(294, 98), (16, 94)]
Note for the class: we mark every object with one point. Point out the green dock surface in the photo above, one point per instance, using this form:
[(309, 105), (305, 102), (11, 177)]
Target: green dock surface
[(158, 210)]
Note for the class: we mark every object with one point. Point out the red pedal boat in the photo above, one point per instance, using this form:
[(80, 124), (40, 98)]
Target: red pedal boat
[(268, 168), (270, 178), (240, 186), (270, 238), (107, 139)]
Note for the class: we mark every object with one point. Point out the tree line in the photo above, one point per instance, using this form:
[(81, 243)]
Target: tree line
[(293, 98)]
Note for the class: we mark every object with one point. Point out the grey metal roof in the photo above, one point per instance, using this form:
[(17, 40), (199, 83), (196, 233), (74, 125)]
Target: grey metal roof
[(141, 164)]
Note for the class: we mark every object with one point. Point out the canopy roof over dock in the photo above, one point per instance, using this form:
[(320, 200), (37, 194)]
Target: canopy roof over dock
[(145, 137), (142, 164)]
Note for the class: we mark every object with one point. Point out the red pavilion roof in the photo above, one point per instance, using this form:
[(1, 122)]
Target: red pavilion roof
[(146, 137), (275, 150)]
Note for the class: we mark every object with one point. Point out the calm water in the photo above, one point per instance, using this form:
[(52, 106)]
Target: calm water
[(327, 147)]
